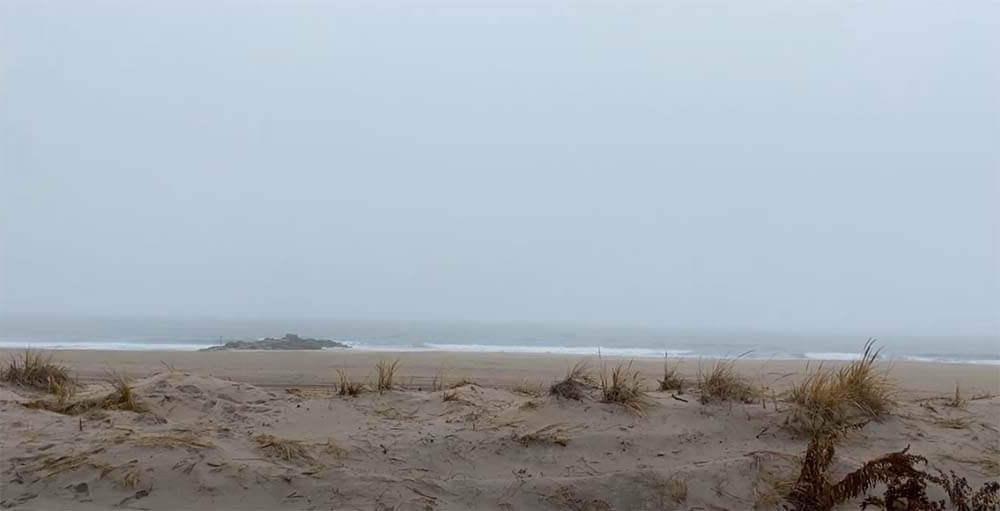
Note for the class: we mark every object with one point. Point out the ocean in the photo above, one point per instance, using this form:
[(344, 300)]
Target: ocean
[(469, 336)]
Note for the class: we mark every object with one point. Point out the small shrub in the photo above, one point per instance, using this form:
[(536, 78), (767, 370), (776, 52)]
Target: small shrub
[(386, 374), (574, 386)]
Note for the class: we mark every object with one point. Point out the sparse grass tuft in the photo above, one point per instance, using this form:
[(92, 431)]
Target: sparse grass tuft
[(624, 386), (386, 374), (333, 449), (461, 383), (955, 422), (677, 489), (672, 380), (957, 401), (346, 387), (723, 383), (528, 389), (122, 397), (556, 434), (288, 450), (36, 370), (173, 441), (575, 384)]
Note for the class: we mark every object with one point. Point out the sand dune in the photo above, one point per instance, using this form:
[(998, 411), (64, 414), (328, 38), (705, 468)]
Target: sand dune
[(213, 443)]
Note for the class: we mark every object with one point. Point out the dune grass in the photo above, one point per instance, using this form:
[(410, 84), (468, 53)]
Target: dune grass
[(723, 383), (624, 386), (528, 389), (557, 434), (283, 448), (122, 397), (574, 386), (346, 387), (36, 370), (828, 399), (672, 380), (386, 370)]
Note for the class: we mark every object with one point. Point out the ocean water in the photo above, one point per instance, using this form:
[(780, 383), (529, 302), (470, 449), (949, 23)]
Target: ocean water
[(576, 339)]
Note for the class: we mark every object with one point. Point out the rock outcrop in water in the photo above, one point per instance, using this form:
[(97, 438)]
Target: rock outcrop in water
[(288, 342)]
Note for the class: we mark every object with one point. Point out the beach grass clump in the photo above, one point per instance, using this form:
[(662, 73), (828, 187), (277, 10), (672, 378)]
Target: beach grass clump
[(576, 383), (386, 374), (820, 402), (624, 386), (723, 383), (36, 370), (122, 397), (867, 388), (348, 387), (828, 399), (672, 381), (283, 448)]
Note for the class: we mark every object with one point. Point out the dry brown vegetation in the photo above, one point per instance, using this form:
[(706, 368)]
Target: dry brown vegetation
[(528, 389), (957, 401), (672, 380), (288, 450), (557, 434), (122, 397), (173, 441), (624, 386), (36, 370), (897, 472), (386, 370), (346, 387), (828, 399), (723, 383), (576, 383)]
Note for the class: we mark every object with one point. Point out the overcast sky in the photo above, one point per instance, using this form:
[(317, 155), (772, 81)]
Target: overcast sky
[(789, 165)]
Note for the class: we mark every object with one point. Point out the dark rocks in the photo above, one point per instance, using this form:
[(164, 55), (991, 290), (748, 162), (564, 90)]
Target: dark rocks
[(288, 342)]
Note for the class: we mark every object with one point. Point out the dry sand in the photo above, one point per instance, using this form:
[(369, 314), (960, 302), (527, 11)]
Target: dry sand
[(485, 446)]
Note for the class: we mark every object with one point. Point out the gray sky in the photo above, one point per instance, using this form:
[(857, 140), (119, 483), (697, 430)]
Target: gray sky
[(791, 165)]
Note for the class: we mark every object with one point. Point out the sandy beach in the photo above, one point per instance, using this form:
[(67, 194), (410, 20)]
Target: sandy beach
[(214, 430)]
